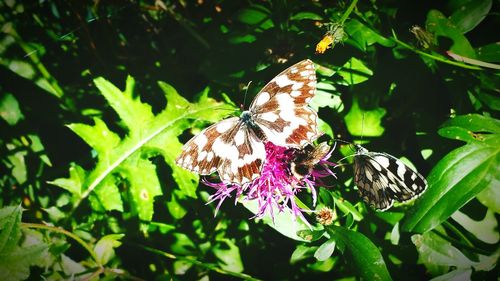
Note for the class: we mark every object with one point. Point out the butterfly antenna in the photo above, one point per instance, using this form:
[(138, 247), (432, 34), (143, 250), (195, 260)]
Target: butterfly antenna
[(362, 126), (245, 96)]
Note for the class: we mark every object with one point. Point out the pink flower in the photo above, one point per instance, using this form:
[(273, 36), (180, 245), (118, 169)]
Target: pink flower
[(277, 185)]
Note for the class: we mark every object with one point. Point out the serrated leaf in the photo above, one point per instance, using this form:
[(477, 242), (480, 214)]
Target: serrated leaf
[(74, 183), (126, 160), (104, 248), (456, 179), (10, 233), (15, 259), (325, 250), (361, 254)]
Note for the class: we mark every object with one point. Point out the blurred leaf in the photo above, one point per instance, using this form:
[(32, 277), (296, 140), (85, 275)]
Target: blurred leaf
[(354, 72), (302, 252), (148, 135), (256, 15), (104, 248), (365, 123), (459, 176), (362, 36), (484, 230), (490, 197), (490, 101), (361, 254), (346, 207), (74, 183), (229, 255), (284, 222), (455, 275), (489, 53), (9, 109), (325, 250), (306, 16), (469, 13), (438, 24), (15, 259), (434, 250)]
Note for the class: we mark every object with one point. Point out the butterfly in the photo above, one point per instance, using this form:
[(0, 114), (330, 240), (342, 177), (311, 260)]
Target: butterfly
[(279, 113), (306, 158), (382, 178)]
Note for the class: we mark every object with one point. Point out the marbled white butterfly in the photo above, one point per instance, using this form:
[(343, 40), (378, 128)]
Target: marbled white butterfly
[(382, 178), (235, 147)]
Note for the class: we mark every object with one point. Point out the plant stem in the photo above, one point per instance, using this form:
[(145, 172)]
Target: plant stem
[(67, 233), (348, 12), (424, 54)]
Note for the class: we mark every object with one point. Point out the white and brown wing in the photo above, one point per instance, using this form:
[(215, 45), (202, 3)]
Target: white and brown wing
[(227, 147), (281, 108)]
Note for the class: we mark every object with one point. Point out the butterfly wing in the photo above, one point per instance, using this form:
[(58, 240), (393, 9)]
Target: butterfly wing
[(382, 178), (281, 108), (371, 182), (228, 147)]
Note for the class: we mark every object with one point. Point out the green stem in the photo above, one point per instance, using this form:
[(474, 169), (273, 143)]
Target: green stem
[(67, 233), (198, 263), (424, 54), (348, 12)]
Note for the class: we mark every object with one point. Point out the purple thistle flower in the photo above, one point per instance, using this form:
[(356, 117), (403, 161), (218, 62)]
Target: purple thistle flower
[(279, 182)]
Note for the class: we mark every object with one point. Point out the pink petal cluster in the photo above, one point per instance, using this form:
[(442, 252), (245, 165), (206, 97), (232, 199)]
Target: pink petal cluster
[(276, 187)]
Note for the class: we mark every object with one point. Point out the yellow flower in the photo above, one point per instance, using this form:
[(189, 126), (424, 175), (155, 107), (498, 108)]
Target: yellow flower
[(324, 44)]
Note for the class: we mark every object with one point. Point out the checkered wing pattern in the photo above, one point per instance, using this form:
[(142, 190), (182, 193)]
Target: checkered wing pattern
[(382, 178)]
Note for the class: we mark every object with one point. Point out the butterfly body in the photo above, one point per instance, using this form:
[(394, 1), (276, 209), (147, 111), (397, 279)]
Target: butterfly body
[(235, 147), (382, 178), (307, 158)]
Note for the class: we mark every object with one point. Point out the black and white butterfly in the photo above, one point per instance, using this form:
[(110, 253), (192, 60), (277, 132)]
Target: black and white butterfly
[(235, 147), (382, 178), (308, 157)]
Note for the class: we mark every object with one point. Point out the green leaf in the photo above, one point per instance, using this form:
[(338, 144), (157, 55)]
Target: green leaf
[(469, 13), (362, 122), (325, 250), (484, 230), (256, 15), (490, 197), (355, 71), (284, 222), (489, 53), (9, 109), (229, 255), (104, 248), (15, 259), (455, 180), (126, 160), (74, 183), (455, 275), (306, 16), (434, 250), (302, 252), (439, 25), (361, 254), (362, 36)]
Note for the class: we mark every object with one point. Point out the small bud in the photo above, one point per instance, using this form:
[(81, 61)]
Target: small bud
[(325, 216)]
